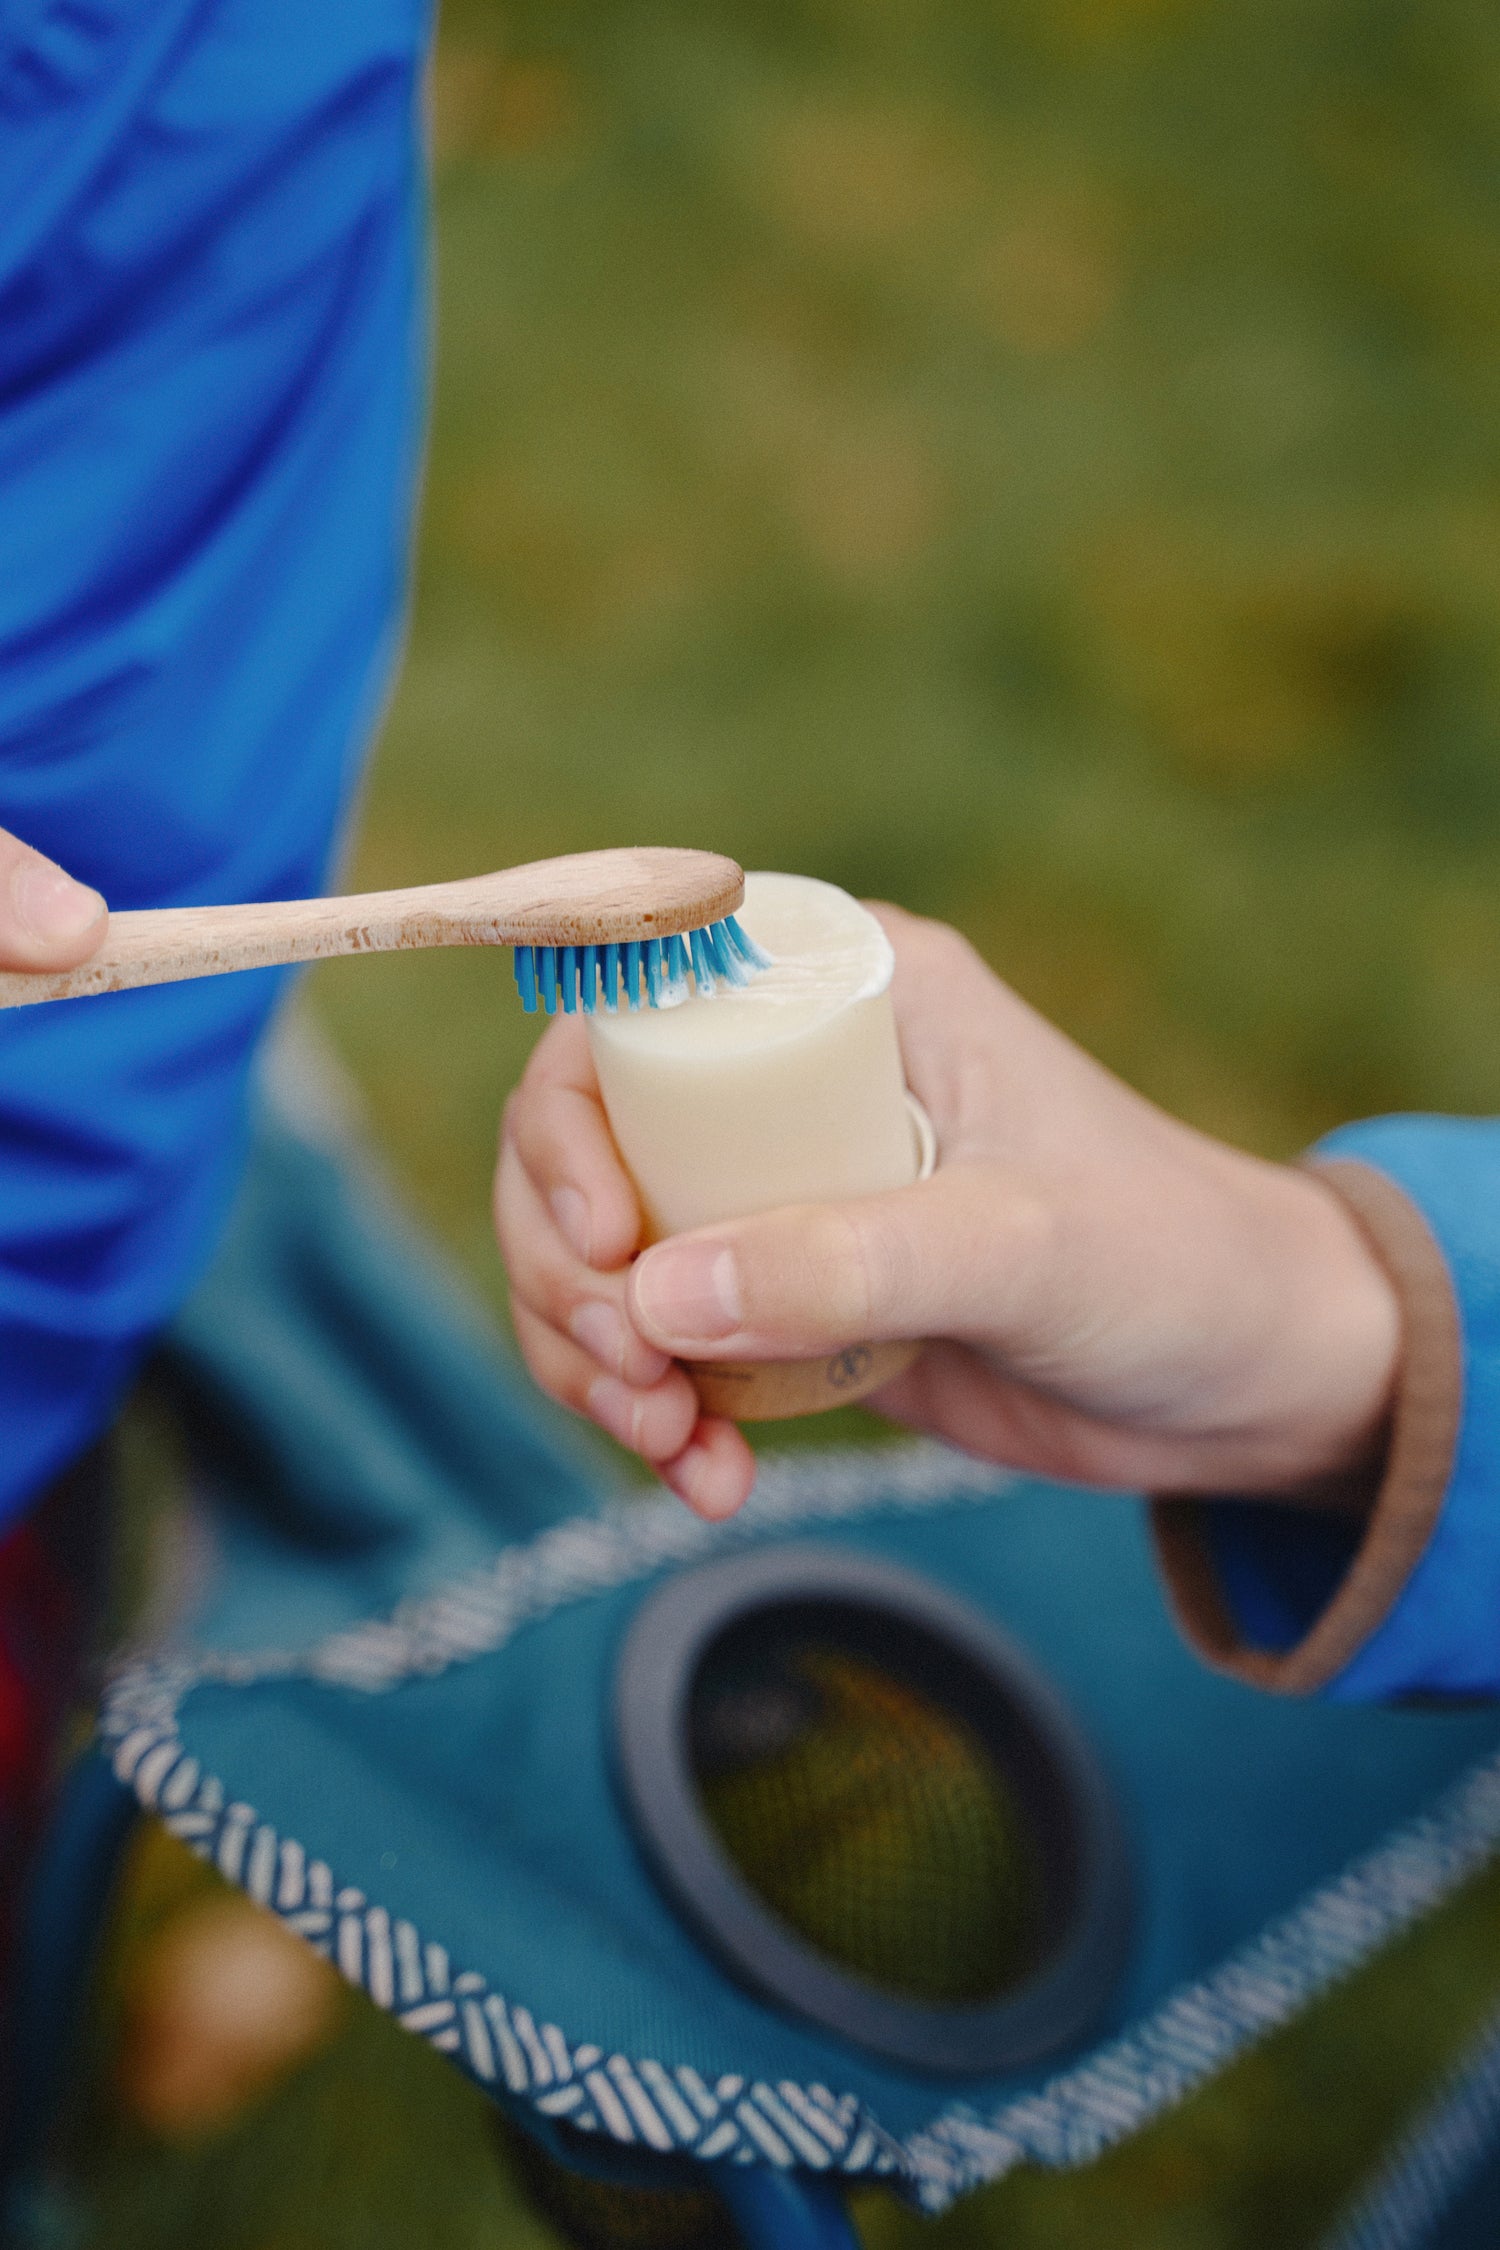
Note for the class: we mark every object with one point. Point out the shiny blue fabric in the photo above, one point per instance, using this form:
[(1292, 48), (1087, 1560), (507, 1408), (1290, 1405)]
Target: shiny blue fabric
[(1442, 1638), (210, 396)]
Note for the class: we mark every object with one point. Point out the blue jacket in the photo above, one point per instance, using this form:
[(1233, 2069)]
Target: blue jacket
[(1404, 1601), (210, 394)]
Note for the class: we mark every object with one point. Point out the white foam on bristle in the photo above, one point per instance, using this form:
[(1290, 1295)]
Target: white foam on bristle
[(826, 951)]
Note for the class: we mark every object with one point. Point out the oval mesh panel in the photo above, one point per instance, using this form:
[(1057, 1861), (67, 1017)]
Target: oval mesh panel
[(870, 1818)]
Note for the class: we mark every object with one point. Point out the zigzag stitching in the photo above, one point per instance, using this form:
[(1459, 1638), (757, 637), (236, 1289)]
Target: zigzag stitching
[(477, 1614), (1206, 2024), (1067, 2122), (496, 2042)]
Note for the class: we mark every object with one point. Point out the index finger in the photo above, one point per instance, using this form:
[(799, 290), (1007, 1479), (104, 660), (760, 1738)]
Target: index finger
[(555, 1123)]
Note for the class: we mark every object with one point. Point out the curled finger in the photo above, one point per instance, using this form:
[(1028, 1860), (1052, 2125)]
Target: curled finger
[(555, 1123), (552, 1282), (656, 1420)]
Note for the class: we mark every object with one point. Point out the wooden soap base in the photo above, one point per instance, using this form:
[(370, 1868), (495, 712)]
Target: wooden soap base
[(779, 1390)]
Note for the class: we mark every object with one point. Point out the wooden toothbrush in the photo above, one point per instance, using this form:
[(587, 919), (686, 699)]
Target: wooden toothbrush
[(593, 926)]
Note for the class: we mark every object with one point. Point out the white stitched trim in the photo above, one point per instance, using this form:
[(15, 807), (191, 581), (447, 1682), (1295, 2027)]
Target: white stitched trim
[(1066, 2122), (572, 1561)]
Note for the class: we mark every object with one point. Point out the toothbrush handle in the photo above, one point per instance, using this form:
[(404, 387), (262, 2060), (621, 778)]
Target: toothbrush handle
[(165, 943), (587, 898)]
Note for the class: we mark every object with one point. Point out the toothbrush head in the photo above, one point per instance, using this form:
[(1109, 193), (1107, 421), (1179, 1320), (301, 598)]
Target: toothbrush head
[(651, 972)]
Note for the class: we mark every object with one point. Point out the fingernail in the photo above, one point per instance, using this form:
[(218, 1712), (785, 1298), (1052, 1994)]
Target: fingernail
[(49, 904), (601, 1331), (689, 1292), (615, 1407), (571, 1211)]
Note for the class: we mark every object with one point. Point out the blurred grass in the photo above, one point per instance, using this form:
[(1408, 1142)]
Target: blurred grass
[(1039, 463)]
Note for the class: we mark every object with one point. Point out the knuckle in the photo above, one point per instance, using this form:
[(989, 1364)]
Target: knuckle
[(560, 1054), (538, 1282), (1020, 1268), (519, 1138), (933, 954), (835, 1252), (891, 1266), (553, 1293), (550, 1361), (531, 1342), (950, 950), (541, 1066)]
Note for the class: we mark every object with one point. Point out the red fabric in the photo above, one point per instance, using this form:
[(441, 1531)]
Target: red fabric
[(40, 1635), (53, 1565)]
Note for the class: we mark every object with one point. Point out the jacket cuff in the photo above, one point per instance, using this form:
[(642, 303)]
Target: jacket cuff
[(1286, 1599)]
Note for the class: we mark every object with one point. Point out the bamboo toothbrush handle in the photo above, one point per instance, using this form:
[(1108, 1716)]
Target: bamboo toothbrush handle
[(587, 898)]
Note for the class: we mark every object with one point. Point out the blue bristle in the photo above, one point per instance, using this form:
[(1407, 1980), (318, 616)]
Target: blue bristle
[(727, 963), (675, 961), (754, 956), (653, 973)]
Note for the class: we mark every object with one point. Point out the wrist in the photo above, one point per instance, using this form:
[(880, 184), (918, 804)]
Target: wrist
[(1336, 1360)]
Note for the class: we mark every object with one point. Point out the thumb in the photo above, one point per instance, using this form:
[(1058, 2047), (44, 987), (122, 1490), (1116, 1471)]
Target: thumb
[(951, 1256), (47, 921)]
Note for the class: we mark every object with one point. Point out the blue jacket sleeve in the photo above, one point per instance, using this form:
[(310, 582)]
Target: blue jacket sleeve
[(210, 394), (1407, 1605)]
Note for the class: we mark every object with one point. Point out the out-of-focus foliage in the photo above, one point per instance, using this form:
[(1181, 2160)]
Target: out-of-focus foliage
[(1039, 460), (1035, 462)]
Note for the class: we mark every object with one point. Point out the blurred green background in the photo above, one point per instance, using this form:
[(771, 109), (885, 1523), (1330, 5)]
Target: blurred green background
[(1034, 461), (1039, 462)]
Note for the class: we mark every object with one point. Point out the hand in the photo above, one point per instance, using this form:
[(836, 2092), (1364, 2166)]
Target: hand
[(1111, 1296), (47, 921), (569, 1225)]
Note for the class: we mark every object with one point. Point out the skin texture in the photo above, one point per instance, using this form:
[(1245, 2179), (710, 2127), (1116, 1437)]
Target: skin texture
[(47, 921), (1111, 1296)]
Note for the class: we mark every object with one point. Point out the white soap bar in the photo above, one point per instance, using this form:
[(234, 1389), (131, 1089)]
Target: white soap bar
[(786, 1090)]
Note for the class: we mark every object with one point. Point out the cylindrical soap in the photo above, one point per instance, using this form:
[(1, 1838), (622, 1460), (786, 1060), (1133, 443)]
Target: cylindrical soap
[(788, 1089)]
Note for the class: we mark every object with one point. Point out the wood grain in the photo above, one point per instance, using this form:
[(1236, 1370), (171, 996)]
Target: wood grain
[(782, 1390), (587, 898)]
